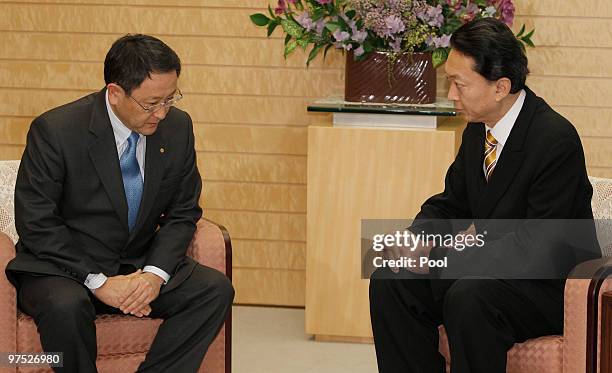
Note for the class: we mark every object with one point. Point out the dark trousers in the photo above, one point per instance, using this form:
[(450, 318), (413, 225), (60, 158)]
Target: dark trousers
[(65, 312), (483, 319)]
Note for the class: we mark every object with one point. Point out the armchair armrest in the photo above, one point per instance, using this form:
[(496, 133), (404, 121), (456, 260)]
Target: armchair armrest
[(211, 245), (8, 298), (582, 315)]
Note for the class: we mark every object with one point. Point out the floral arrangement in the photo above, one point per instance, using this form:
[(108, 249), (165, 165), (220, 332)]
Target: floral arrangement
[(394, 26)]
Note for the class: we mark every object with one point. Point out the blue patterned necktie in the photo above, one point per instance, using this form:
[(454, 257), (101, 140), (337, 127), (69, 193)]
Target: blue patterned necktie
[(132, 181)]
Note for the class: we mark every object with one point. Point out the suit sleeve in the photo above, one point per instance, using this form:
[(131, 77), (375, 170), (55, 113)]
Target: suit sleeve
[(178, 224), (452, 203), (38, 194)]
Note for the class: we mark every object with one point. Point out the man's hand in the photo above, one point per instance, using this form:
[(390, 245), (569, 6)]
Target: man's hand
[(414, 254), (147, 290), (116, 288)]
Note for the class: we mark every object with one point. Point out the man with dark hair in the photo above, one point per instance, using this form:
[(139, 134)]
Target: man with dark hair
[(106, 204), (518, 159)]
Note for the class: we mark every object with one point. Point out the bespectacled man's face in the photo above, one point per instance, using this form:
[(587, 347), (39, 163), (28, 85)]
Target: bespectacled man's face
[(158, 88), (474, 96)]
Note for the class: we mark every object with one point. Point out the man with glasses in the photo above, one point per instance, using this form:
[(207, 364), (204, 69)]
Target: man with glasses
[(106, 203)]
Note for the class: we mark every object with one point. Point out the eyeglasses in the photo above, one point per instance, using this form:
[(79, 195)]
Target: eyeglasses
[(167, 103)]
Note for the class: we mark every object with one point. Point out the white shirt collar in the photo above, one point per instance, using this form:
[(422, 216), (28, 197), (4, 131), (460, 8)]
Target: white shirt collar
[(502, 129), (120, 130)]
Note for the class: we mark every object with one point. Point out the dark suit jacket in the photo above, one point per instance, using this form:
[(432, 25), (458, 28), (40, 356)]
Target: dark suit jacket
[(541, 174), (70, 205)]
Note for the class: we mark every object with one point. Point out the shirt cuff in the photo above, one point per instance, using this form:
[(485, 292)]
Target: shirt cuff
[(159, 272), (95, 280)]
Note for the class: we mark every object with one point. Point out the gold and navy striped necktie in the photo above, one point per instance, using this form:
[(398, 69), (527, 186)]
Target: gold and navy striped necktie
[(490, 156)]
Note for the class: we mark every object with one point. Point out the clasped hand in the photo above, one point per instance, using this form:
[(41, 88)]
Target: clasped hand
[(131, 293)]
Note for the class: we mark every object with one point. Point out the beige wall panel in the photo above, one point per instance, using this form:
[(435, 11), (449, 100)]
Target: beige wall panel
[(11, 151), (269, 286), (252, 167), (14, 130), (122, 19), (591, 92), (247, 109), (201, 79), (560, 61), (600, 172), (173, 3), (568, 32), (598, 151), (269, 254), (567, 8), (254, 197), (261, 225), (210, 51), (260, 82), (249, 139), (33, 102), (589, 121)]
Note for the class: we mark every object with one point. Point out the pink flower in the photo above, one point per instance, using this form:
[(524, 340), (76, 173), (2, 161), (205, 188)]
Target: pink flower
[(506, 11), (281, 8), (340, 35)]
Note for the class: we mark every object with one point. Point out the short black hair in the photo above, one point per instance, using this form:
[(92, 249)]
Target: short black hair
[(133, 57), (497, 53)]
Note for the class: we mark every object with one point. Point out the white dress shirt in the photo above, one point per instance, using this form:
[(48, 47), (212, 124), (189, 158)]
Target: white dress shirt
[(122, 133), (502, 128)]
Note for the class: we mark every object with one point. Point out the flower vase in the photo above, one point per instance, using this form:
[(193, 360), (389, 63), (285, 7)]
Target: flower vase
[(409, 79)]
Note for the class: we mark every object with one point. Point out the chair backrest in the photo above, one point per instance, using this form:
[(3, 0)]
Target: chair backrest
[(8, 176), (602, 212)]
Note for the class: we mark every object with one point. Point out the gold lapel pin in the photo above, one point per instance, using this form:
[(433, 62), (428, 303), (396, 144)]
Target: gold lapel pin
[(162, 150)]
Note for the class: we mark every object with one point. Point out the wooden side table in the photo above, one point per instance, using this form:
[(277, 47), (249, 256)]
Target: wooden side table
[(355, 173)]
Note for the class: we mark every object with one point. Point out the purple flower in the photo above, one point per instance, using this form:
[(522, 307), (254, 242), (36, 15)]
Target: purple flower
[(438, 42), (359, 35), (340, 35), (467, 14), (323, 2), (305, 21), (359, 51), (432, 16), (320, 26), (393, 25), (506, 11), (396, 44)]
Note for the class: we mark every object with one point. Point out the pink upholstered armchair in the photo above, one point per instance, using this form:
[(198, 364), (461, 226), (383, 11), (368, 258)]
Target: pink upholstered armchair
[(117, 352), (585, 346)]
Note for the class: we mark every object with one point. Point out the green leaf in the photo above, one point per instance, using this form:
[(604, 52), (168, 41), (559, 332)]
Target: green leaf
[(259, 19), (530, 34), (351, 14), (272, 26), (287, 38), (313, 53), (303, 43), (521, 31), (290, 47), (292, 28), (332, 26), (326, 49), (439, 56), (271, 12)]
